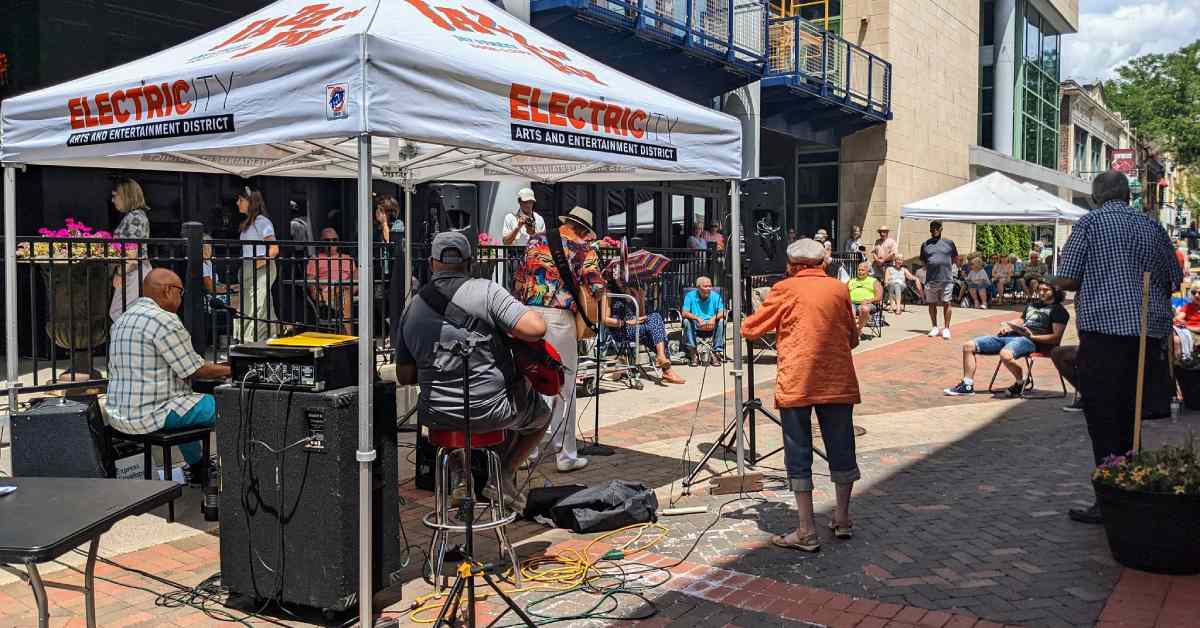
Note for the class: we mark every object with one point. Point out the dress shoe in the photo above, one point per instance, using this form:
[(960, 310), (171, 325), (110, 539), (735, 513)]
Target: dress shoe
[(1091, 514)]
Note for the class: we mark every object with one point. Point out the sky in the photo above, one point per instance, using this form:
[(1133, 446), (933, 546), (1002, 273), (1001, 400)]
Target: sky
[(1112, 32)]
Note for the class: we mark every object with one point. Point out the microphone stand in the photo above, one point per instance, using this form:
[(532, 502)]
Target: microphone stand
[(469, 568)]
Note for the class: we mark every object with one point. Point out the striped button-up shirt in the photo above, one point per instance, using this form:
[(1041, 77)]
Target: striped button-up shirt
[(1107, 253), (150, 357)]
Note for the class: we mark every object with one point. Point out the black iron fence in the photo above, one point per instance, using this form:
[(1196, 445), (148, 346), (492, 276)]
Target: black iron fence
[(70, 290)]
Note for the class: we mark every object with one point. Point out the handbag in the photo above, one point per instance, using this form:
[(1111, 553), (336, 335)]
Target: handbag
[(587, 307)]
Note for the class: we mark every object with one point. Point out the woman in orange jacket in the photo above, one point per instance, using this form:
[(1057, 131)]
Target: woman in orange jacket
[(813, 320)]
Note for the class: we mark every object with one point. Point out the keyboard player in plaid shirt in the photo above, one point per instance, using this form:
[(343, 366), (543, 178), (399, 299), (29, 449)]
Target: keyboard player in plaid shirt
[(150, 364), (1103, 260)]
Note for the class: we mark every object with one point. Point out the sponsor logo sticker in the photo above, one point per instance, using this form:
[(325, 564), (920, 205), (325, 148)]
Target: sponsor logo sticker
[(335, 101)]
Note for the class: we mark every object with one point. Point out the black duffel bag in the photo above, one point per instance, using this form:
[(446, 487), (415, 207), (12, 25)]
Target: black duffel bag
[(608, 507)]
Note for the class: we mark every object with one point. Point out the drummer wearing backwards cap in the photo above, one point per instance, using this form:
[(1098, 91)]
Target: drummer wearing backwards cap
[(523, 222)]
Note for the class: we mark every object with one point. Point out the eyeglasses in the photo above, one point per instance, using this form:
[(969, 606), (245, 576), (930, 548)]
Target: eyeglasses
[(179, 288), (329, 240)]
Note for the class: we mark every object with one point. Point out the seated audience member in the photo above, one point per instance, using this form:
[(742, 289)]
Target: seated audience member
[(150, 365), (896, 280), (328, 274), (1064, 360), (1034, 275), (649, 329), (834, 268), (1187, 316), (1040, 329), (1002, 273), (703, 315), (978, 283), (866, 294)]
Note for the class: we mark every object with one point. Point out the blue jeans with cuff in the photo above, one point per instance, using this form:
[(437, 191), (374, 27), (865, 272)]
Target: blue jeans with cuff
[(691, 330), (1020, 346), (837, 431), (204, 413)]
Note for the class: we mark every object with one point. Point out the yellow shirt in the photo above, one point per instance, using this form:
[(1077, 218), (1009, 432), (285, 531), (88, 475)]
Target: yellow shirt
[(862, 290)]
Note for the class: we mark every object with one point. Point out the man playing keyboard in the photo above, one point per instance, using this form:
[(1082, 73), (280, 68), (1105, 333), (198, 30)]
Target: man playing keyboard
[(151, 364)]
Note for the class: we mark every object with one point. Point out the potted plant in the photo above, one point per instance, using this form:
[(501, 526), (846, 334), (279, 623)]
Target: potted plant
[(1151, 507), (77, 275)]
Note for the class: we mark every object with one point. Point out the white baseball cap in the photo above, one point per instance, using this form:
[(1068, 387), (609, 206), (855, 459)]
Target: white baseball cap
[(526, 194)]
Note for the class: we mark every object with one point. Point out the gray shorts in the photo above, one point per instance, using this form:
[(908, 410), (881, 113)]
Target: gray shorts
[(939, 292)]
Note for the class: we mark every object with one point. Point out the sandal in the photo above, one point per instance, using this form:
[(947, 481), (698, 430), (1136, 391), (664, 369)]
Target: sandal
[(842, 531), (792, 540)]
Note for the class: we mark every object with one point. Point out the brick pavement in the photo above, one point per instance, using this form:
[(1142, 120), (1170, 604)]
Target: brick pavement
[(965, 528)]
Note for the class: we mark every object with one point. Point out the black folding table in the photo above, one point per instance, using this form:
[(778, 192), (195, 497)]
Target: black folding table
[(47, 517)]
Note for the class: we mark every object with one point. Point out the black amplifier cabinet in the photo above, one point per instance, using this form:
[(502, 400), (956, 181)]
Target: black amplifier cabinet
[(58, 437), (289, 494), (310, 369)]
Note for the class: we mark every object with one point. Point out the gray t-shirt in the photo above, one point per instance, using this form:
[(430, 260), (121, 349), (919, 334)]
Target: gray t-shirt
[(938, 255), (439, 375)]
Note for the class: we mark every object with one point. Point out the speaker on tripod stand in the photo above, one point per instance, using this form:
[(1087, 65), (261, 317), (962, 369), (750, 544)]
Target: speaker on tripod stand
[(764, 254)]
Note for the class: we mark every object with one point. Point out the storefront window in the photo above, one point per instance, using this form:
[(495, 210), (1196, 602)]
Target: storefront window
[(1080, 151), (1033, 35)]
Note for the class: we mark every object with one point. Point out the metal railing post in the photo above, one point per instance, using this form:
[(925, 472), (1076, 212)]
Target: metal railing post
[(729, 42), (193, 283), (688, 23), (824, 62), (796, 46), (870, 80), (640, 21), (846, 79)]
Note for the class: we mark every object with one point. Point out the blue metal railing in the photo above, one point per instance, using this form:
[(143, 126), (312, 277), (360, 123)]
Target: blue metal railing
[(735, 30), (822, 62)]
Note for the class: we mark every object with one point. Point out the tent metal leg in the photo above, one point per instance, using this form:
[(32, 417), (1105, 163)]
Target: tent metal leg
[(735, 239), (10, 284), (366, 370)]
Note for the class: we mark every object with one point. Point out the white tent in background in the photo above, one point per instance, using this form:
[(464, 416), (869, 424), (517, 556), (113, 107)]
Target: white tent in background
[(996, 199), (436, 90)]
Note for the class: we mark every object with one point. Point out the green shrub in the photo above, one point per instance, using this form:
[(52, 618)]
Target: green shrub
[(1003, 240)]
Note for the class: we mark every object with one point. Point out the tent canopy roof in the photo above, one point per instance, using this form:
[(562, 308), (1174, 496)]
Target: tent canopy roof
[(994, 199), (295, 79)]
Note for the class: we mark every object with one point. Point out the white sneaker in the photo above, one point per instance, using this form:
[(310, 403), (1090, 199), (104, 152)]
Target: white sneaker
[(571, 464), (946, 333), (933, 333)]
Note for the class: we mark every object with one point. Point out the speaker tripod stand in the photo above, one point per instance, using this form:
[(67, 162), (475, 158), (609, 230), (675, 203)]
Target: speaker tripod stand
[(746, 415), (468, 568)]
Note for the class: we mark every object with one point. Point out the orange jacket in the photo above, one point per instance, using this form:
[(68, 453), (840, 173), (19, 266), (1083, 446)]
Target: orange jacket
[(815, 329)]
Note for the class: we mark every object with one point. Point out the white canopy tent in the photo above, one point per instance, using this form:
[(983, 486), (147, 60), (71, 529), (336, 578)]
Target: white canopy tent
[(995, 199), (403, 90)]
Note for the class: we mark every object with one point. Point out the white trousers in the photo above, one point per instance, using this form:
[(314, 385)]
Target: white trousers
[(560, 333)]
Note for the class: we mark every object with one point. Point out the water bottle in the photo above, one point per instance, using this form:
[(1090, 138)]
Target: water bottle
[(1176, 408)]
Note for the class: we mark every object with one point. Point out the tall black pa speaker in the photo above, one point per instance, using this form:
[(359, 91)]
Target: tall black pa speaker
[(762, 205), (450, 207), (63, 438), (289, 494)]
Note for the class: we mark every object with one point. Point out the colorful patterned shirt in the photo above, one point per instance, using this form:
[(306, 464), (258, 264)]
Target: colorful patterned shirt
[(538, 281), (150, 357)]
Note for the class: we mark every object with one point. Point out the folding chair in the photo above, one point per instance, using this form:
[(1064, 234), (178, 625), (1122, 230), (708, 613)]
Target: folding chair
[(705, 346), (1027, 386)]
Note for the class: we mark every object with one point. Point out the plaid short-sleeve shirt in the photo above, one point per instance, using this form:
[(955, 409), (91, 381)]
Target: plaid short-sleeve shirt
[(150, 357)]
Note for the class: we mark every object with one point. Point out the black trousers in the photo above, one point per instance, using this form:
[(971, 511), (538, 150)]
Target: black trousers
[(1106, 367)]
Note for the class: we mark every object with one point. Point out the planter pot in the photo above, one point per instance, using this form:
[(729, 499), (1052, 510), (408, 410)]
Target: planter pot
[(1153, 532), (1189, 385), (79, 293)]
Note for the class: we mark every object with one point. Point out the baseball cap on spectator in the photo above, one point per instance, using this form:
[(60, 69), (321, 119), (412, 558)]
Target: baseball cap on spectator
[(526, 194), (451, 247)]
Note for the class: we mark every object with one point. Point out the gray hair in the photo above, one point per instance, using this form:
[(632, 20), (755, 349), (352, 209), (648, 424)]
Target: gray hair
[(806, 251), (1110, 186), (702, 278)]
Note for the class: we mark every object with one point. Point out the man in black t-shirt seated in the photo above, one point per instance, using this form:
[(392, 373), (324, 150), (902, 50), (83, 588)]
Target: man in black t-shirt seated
[(1039, 329)]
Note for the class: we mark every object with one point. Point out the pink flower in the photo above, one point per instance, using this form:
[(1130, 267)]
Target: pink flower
[(45, 232)]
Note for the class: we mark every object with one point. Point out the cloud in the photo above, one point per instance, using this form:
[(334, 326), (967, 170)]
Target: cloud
[(1112, 32)]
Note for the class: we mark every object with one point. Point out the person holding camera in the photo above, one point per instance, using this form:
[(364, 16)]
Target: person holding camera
[(524, 222)]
